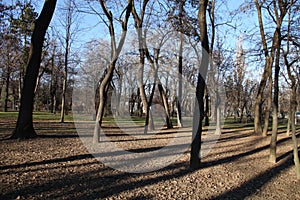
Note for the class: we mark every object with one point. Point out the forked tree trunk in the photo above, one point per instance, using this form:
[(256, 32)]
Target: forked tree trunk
[(24, 127), (116, 49), (139, 19), (149, 125), (142, 90), (103, 89), (265, 75), (166, 105)]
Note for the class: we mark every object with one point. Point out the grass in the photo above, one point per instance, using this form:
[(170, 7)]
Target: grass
[(37, 116), (46, 116)]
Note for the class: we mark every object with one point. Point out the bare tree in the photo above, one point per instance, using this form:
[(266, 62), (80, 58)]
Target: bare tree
[(141, 33), (198, 116), (293, 89), (70, 26), (115, 51)]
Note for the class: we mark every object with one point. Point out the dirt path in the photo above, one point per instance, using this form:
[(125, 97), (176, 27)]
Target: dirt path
[(60, 167)]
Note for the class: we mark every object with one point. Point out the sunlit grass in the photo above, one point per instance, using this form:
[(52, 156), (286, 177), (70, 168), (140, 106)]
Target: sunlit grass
[(37, 116), (229, 123)]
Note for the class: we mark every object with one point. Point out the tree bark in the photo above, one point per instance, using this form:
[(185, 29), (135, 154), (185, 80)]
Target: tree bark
[(7, 81), (166, 105), (266, 74), (268, 64), (24, 127), (143, 51), (293, 97), (293, 105), (195, 157), (103, 97), (206, 122), (288, 128), (269, 105), (272, 157), (180, 62), (179, 97)]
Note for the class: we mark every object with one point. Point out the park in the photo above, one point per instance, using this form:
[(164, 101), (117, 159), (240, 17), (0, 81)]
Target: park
[(149, 99)]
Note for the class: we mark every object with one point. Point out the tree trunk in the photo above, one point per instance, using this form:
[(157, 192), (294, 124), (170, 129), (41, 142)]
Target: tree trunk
[(103, 89), (293, 100), (166, 105), (179, 97), (293, 105), (67, 51), (7, 81), (269, 105), (272, 157), (53, 86), (149, 125), (149, 121), (140, 81), (114, 57), (24, 127), (195, 157), (63, 99), (206, 122), (218, 114), (265, 75), (142, 51), (288, 124)]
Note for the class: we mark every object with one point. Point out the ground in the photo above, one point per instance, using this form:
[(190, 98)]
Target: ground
[(58, 166)]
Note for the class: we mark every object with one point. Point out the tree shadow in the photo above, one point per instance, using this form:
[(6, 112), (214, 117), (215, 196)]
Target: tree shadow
[(45, 162), (240, 155), (250, 187), (106, 182), (98, 184)]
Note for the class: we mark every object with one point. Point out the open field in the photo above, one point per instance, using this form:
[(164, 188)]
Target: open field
[(57, 165)]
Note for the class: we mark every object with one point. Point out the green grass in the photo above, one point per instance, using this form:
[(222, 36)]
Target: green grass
[(40, 116), (46, 116), (8, 115)]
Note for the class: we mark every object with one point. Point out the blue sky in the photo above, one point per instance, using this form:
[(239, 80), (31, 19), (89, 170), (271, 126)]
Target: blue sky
[(92, 29)]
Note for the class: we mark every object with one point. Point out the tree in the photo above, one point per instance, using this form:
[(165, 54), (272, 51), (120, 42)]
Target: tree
[(280, 11), (115, 52), (277, 11), (186, 25), (267, 71), (139, 20), (24, 127), (70, 26), (199, 114), (22, 27), (289, 62)]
